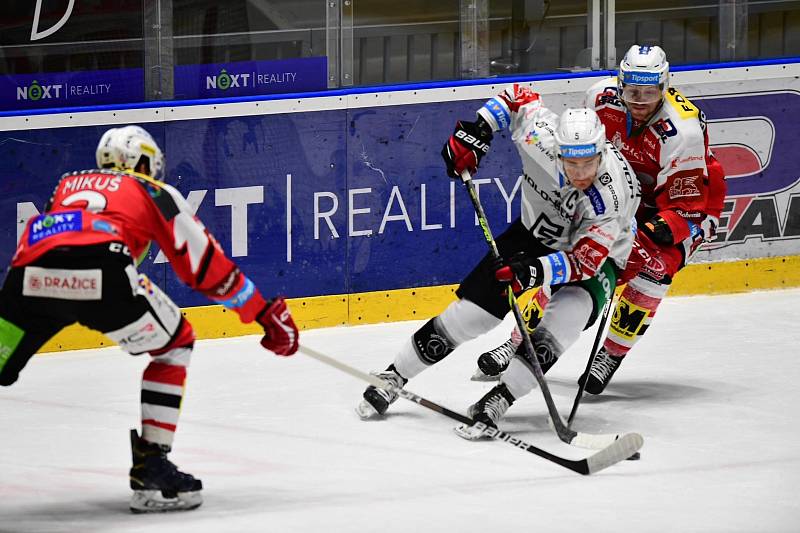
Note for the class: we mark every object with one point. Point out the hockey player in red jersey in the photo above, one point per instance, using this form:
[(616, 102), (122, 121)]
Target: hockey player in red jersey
[(663, 136), (76, 262)]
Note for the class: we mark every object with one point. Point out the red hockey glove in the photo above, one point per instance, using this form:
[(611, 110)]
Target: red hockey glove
[(467, 145), (636, 261), (280, 332), (521, 272)]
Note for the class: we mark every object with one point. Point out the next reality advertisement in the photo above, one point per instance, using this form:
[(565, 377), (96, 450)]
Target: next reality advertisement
[(247, 78), (69, 89)]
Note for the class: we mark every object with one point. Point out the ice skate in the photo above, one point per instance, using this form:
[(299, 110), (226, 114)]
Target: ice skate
[(158, 486), (603, 367), (486, 412), (376, 401), (494, 362)]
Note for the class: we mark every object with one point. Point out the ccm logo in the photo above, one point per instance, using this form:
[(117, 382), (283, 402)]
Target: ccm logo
[(472, 141)]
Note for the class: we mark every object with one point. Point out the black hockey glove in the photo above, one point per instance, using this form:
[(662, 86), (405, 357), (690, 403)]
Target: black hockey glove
[(522, 272), (658, 230), (466, 147)]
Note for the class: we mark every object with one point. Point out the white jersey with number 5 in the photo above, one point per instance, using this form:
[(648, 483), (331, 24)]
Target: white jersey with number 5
[(589, 225)]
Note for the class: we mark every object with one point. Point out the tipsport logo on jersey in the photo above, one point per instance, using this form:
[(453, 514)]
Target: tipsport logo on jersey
[(755, 138)]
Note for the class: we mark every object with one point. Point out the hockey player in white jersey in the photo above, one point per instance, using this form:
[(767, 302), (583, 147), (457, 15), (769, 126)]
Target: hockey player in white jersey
[(664, 137), (578, 200)]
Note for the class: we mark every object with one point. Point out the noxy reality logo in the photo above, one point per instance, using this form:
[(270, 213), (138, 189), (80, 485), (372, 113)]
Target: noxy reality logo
[(36, 91), (224, 81)]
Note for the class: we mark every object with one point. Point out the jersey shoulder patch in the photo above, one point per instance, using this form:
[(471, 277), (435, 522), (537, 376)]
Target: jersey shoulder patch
[(603, 93), (596, 197), (681, 104)]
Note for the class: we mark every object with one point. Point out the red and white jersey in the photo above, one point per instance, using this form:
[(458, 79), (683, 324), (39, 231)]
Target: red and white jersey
[(669, 154), (96, 206)]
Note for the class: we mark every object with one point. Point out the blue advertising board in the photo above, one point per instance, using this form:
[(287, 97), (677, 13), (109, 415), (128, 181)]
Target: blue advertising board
[(246, 78), (306, 203), (69, 89), (355, 200)]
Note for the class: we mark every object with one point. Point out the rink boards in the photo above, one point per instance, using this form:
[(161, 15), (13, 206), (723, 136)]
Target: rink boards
[(339, 199)]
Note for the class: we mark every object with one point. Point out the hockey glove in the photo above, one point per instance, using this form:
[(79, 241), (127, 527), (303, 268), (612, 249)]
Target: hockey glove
[(522, 272), (280, 331), (466, 147), (637, 259), (658, 230)]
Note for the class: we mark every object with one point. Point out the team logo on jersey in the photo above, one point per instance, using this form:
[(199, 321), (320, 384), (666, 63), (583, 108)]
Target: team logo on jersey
[(532, 137), (605, 179), (608, 97), (588, 256), (684, 187), (665, 128)]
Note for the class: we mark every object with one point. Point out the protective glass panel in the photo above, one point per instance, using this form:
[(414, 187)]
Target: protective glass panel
[(687, 30), (248, 47), (773, 29), (209, 31), (417, 40), (538, 36), (67, 53)]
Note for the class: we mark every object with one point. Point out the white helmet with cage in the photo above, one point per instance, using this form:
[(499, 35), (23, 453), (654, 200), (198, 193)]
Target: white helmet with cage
[(643, 74), (579, 134), (129, 147)]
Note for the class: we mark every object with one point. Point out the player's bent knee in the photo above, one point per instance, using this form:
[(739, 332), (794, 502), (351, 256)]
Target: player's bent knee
[(431, 343), (160, 328)]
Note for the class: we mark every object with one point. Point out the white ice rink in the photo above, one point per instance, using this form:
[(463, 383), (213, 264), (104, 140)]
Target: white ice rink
[(713, 389)]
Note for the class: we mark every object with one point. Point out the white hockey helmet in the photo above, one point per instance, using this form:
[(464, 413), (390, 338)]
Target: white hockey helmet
[(580, 133), (127, 147), (644, 66)]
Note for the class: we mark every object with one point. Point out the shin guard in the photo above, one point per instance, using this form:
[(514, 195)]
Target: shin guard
[(634, 312)]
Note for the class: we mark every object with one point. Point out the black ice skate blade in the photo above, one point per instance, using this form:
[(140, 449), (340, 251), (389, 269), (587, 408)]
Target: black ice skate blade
[(635, 457)]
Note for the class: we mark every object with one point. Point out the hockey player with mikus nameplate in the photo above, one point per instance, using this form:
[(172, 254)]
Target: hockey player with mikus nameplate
[(77, 262)]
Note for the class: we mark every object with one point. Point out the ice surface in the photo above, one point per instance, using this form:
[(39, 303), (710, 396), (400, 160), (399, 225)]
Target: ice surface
[(712, 388)]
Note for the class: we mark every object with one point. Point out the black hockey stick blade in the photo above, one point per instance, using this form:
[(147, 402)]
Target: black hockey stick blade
[(616, 451)]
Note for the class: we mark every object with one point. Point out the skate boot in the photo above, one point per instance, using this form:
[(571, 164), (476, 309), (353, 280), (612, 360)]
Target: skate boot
[(603, 367), (486, 412), (158, 486), (376, 401), (494, 362)]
